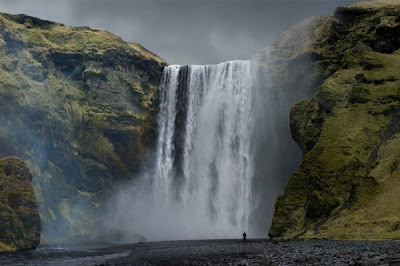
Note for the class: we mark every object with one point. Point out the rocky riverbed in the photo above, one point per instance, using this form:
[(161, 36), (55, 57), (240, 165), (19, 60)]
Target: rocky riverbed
[(214, 252), (262, 252)]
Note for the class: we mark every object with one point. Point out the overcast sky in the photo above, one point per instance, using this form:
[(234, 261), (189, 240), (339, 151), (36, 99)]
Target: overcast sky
[(183, 31)]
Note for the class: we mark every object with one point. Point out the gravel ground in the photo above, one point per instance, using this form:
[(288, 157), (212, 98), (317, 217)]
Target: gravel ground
[(212, 252), (261, 252)]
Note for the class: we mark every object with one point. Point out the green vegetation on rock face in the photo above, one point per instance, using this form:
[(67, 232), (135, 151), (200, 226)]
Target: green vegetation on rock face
[(19, 218), (349, 132), (79, 106)]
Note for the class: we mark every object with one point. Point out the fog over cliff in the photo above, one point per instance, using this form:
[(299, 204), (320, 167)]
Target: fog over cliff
[(183, 32)]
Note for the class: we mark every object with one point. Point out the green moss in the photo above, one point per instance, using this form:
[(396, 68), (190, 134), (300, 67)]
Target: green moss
[(71, 111), (2, 42), (19, 217), (93, 71), (345, 185), (394, 166), (6, 248), (81, 94), (140, 49)]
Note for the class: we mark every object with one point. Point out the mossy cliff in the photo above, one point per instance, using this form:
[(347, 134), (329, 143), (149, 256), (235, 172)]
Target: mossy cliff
[(79, 106), (348, 183), (19, 218)]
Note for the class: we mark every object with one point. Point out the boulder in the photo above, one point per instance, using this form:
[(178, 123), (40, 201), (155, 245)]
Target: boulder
[(19, 217)]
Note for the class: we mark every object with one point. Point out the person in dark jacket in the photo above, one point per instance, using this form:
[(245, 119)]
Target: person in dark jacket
[(244, 236)]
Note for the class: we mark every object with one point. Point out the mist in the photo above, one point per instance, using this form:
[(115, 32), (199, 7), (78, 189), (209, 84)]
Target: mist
[(199, 184), (197, 187)]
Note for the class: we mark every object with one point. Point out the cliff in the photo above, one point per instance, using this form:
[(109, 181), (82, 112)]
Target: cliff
[(347, 184), (79, 106), (19, 218)]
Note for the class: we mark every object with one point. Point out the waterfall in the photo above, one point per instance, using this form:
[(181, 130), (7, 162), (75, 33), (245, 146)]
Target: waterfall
[(203, 181), (204, 166), (224, 153)]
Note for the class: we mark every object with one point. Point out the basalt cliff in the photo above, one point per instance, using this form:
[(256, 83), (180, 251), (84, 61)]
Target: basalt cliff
[(348, 182), (78, 105)]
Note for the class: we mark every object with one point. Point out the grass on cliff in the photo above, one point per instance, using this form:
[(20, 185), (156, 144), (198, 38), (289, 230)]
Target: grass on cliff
[(63, 112), (341, 191), (377, 219), (347, 141), (49, 35), (6, 248), (376, 4), (80, 40)]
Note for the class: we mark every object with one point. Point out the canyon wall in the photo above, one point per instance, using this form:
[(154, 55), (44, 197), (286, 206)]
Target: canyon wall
[(348, 131), (79, 106)]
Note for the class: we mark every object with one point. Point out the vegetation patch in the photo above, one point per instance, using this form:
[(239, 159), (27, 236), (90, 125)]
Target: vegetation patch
[(346, 185), (68, 109)]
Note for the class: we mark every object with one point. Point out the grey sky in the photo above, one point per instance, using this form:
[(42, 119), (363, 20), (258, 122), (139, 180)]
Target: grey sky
[(183, 31)]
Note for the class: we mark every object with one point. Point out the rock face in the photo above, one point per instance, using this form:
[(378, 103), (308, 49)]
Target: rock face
[(19, 217), (79, 106), (286, 74), (348, 183)]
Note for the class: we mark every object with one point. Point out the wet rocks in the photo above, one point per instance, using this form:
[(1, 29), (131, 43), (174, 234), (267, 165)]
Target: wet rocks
[(261, 252), (218, 252), (267, 262), (370, 262), (394, 262)]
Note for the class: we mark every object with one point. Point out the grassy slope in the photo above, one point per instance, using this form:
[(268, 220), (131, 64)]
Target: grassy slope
[(346, 185)]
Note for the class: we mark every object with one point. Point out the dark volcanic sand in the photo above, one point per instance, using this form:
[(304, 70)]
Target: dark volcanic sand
[(261, 252), (213, 252)]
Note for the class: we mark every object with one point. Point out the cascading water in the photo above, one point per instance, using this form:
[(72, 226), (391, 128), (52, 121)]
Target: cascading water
[(217, 158), (204, 166)]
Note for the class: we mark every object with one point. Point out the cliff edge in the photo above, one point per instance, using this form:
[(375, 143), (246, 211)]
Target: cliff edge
[(349, 131), (79, 106)]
